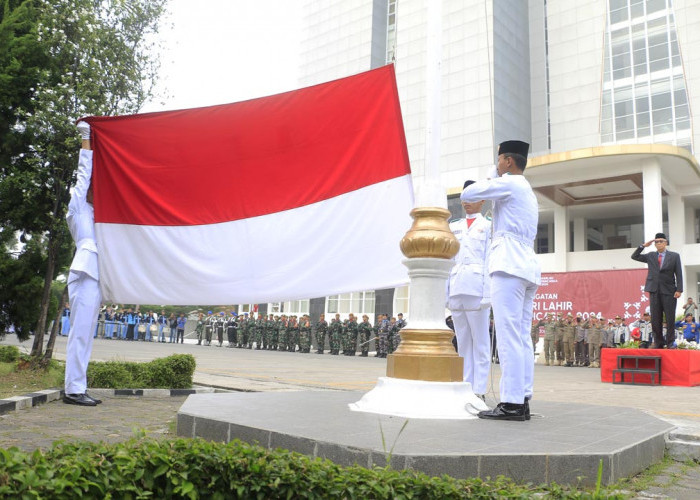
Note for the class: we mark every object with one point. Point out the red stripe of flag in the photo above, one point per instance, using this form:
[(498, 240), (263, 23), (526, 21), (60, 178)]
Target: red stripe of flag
[(257, 157)]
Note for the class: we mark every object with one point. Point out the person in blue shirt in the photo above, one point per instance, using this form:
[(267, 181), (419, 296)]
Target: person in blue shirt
[(691, 329), (181, 329)]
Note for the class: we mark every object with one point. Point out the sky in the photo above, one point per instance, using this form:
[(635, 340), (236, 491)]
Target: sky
[(222, 51)]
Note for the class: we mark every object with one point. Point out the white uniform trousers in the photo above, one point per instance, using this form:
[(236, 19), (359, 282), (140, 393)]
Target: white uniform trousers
[(85, 299), (474, 345), (512, 298)]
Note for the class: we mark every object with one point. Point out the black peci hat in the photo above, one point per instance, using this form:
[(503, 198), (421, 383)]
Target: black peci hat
[(468, 183), (515, 147)]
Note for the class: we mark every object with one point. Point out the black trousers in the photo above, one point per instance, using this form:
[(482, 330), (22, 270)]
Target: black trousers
[(661, 303)]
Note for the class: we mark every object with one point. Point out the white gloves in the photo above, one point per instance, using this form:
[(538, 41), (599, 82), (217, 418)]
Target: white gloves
[(84, 129)]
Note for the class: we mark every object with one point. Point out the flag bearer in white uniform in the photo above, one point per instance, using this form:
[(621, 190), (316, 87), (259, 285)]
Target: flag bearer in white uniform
[(83, 285), (468, 294), (515, 275)]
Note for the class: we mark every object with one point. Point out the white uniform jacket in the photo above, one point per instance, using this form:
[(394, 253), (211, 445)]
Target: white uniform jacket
[(470, 276), (515, 224), (81, 222)]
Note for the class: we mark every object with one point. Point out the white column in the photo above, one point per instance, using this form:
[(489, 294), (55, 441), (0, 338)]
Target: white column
[(561, 237), (653, 203), (580, 234), (676, 221)]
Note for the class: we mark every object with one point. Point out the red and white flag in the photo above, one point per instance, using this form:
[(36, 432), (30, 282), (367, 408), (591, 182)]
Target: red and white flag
[(297, 195)]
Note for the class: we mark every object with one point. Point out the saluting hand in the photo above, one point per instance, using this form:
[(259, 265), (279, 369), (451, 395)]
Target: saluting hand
[(648, 243)]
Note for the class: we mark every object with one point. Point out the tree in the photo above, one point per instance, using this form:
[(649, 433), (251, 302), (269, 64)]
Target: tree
[(63, 60)]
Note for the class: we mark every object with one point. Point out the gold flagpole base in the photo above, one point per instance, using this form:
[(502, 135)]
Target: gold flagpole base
[(426, 355)]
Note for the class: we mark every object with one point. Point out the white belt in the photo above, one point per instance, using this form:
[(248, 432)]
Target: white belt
[(512, 236)]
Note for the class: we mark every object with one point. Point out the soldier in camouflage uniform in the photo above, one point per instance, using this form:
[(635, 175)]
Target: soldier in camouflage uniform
[(595, 338), (267, 334), (305, 335), (569, 339), (383, 334), (350, 347), (242, 335), (334, 332), (364, 330), (250, 330), (199, 329), (292, 334), (282, 337), (400, 325), (559, 339), (548, 346), (393, 330), (581, 342), (259, 331), (276, 333), (321, 331)]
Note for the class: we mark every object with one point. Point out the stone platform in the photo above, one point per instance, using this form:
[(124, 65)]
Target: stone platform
[(562, 443)]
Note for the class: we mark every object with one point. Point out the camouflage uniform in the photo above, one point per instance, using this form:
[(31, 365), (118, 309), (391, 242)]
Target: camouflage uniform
[(292, 334), (559, 340), (595, 338), (351, 329), (383, 334), (549, 327), (581, 345), (305, 336), (259, 332), (275, 333), (393, 332), (200, 330), (365, 333), (568, 341), (282, 334), (321, 333), (335, 331)]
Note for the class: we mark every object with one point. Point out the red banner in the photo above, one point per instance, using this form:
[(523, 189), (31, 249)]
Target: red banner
[(593, 293)]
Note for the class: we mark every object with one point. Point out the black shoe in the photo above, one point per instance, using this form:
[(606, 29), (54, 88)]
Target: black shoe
[(79, 399), (364, 355), (505, 411), (527, 408), (98, 401)]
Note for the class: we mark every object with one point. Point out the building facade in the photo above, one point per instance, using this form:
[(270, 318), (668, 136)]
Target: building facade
[(604, 91)]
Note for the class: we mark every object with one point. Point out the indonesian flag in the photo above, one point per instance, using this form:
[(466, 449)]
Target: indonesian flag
[(297, 195)]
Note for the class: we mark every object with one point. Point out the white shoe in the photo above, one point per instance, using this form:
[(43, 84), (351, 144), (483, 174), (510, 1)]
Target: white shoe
[(84, 129)]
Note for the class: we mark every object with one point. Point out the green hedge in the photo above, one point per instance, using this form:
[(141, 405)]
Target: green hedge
[(173, 372), (8, 353), (193, 468)]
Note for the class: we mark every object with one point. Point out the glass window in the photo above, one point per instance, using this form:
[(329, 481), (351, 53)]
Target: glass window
[(684, 125), (332, 306), (623, 108), (663, 121), (642, 104), (655, 5), (682, 112), (643, 119), (619, 15), (401, 300), (624, 123), (661, 101), (636, 8)]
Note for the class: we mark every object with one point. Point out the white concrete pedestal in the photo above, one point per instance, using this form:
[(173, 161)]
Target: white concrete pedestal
[(420, 399)]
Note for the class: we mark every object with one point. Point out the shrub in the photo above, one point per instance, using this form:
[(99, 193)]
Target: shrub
[(9, 353), (194, 468), (173, 372), (109, 375)]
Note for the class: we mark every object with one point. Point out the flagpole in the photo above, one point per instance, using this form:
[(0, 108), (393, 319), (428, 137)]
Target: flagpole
[(424, 375)]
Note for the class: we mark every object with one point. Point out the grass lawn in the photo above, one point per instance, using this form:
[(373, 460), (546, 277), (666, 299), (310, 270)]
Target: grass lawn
[(15, 382)]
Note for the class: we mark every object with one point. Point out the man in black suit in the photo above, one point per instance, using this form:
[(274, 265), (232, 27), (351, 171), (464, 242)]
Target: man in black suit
[(664, 284)]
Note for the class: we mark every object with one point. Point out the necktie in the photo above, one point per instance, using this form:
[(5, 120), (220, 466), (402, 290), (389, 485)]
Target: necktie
[(660, 259)]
